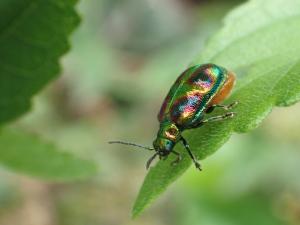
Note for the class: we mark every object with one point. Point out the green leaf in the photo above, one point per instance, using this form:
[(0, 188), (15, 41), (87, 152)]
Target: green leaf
[(33, 36), (28, 154), (260, 42)]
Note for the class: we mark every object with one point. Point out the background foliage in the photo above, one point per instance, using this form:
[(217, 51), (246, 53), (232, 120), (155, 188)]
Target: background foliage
[(122, 48), (30, 52)]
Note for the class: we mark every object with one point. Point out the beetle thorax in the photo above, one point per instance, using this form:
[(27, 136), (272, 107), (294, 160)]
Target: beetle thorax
[(167, 136), (169, 131)]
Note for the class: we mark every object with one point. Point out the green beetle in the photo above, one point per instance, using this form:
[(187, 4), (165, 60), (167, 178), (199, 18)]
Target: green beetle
[(197, 91)]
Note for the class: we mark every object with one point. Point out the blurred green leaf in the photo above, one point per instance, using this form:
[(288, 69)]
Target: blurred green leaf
[(259, 40), (33, 36), (28, 154)]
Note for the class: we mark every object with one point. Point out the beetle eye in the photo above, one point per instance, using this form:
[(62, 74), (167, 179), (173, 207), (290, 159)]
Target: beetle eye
[(169, 145)]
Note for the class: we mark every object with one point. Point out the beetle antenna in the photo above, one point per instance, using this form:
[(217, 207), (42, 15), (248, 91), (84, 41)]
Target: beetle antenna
[(131, 144)]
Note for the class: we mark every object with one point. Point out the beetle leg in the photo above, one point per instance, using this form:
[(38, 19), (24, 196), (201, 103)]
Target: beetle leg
[(201, 122), (150, 160), (218, 118), (187, 147), (225, 107), (177, 160)]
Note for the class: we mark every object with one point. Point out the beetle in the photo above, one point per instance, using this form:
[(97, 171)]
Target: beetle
[(196, 92)]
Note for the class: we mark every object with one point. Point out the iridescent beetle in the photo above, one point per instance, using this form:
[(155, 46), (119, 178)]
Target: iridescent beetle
[(196, 92)]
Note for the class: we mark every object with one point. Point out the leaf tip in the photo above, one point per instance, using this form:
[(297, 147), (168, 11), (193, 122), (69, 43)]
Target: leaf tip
[(137, 209)]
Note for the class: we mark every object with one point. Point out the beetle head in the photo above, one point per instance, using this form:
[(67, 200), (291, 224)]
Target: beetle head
[(163, 146)]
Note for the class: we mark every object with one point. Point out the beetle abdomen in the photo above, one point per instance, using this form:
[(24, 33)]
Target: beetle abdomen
[(190, 94), (185, 108)]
